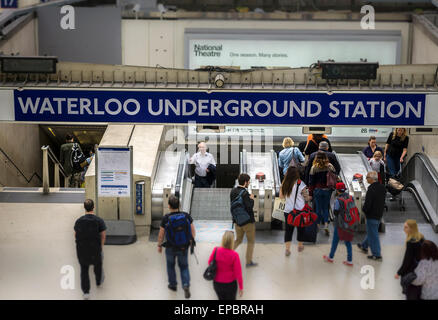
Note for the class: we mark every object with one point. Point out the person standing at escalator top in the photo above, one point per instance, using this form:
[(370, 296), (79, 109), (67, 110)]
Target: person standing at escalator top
[(372, 147), (396, 149), (202, 160)]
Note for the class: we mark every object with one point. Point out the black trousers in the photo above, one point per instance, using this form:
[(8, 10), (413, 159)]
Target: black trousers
[(413, 292), (289, 231), (201, 182), (85, 278), (225, 291)]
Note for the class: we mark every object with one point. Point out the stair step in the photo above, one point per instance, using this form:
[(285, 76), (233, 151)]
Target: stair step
[(211, 204)]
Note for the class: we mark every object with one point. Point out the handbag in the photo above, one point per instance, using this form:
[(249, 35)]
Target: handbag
[(210, 272), (301, 218), (278, 212), (332, 179)]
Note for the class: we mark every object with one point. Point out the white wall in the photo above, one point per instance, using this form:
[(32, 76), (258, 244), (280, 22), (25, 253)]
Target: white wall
[(424, 50), (152, 42), (23, 41)]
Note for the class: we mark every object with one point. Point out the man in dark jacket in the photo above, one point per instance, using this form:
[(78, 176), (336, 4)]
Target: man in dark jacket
[(373, 209), (323, 146), (248, 228)]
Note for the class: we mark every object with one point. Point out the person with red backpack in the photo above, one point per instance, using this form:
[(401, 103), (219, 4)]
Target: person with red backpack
[(346, 219)]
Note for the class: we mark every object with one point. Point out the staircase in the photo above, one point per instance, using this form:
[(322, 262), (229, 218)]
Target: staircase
[(211, 204)]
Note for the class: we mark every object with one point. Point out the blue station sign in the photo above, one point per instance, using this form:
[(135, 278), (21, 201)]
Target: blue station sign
[(220, 107)]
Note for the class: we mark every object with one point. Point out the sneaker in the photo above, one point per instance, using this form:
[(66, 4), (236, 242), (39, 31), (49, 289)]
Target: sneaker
[(375, 258), (186, 292), (359, 245), (348, 263), (252, 264), (287, 253), (327, 259), (173, 288), (327, 231), (86, 296)]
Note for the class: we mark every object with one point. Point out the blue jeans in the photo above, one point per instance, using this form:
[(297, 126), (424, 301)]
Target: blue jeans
[(183, 265), (321, 200), (393, 165), (372, 237), (335, 246)]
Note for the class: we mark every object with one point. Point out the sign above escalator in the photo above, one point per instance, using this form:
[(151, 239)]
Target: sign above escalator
[(222, 107)]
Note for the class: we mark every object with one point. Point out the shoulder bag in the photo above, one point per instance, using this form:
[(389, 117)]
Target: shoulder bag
[(210, 272)]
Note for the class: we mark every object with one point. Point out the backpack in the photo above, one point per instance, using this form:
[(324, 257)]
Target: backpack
[(77, 159), (178, 231), (349, 216), (238, 211), (301, 218)]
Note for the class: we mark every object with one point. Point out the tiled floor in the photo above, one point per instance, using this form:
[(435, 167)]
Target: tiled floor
[(37, 240)]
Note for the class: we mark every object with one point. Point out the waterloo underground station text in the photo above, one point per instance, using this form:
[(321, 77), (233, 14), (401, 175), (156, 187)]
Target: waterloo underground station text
[(119, 106)]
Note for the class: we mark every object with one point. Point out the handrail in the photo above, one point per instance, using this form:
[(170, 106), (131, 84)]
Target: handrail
[(421, 179), (54, 159), (18, 169), (180, 173), (341, 173), (365, 161), (48, 154), (276, 173)]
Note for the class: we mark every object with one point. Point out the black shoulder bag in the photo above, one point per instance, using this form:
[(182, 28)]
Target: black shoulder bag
[(210, 272)]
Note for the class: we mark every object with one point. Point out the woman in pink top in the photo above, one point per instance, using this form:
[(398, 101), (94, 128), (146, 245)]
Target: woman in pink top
[(228, 269)]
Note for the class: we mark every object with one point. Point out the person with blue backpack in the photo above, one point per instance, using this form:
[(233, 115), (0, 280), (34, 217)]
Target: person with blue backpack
[(242, 204), (346, 220), (180, 233)]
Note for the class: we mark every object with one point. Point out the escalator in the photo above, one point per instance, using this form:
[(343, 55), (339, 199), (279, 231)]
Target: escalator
[(420, 178)]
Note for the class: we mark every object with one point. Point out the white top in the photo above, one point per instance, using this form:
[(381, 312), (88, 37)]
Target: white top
[(290, 201), (375, 165), (202, 162), (427, 277)]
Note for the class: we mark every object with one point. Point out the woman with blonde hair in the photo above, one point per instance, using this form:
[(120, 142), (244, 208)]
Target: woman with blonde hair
[(414, 239), (289, 156), (319, 190), (229, 270), (395, 150)]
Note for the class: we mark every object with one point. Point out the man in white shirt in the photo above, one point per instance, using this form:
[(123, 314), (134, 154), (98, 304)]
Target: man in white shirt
[(202, 159)]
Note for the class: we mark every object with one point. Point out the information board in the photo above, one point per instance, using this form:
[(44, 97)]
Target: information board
[(114, 172)]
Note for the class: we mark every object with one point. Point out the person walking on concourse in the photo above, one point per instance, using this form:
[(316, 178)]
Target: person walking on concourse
[(90, 237), (229, 269), (249, 227), (180, 232), (373, 209)]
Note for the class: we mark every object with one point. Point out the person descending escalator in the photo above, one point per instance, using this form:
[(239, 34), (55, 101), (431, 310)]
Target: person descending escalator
[(378, 165), (323, 146), (73, 161)]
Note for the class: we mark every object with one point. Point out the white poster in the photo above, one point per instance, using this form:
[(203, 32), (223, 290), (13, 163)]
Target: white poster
[(113, 175), (291, 53)]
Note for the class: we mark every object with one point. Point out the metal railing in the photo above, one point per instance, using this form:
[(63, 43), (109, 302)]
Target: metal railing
[(48, 154), (9, 160), (276, 173)]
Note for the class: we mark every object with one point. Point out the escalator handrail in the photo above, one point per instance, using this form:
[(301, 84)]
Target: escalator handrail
[(276, 173), (365, 161), (341, 173), (412, 189), (180, 173), (427, 164)]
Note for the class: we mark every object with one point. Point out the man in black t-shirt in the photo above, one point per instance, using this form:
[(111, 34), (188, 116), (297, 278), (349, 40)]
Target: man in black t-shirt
[(180, 224), (90, 237), (395, 150)]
